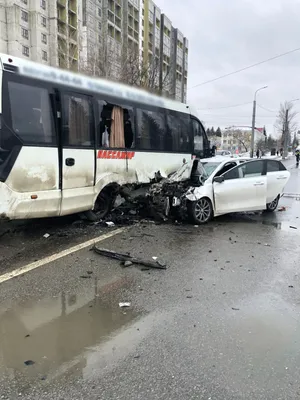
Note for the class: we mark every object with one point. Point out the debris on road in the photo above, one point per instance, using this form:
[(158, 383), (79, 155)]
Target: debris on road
[(282, 209), (235, 309), (29, 363), (291, 287), (127, 264), (46, 236), (85, 277), (293, 227), (110, 224), (124, 305), (126, 257)]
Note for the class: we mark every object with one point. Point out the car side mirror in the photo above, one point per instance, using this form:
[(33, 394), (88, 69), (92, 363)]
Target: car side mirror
[(219, 179)]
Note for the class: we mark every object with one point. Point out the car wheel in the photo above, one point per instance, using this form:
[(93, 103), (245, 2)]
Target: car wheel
[(271, 207), (200, 211)]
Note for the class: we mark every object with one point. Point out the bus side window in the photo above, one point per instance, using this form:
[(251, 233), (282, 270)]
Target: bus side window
[(32, 117), (152, 129), (116, 126), (77, 120), (198, 138), (179, 137)]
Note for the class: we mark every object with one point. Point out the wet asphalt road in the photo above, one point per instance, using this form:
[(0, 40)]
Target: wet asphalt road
[(221, 323)]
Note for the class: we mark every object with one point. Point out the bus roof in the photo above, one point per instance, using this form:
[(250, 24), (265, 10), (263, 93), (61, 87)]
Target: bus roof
[(106, 87)]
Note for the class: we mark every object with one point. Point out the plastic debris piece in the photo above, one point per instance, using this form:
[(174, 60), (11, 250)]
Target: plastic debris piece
[(46, 236), (110, 224), (124, 305), (29, 362)]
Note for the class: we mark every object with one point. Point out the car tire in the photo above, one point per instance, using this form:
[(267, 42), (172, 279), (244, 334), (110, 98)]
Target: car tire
[(271, 207), (200, 211)]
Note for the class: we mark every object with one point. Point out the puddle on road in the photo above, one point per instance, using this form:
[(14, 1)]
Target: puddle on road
[(56, 334)]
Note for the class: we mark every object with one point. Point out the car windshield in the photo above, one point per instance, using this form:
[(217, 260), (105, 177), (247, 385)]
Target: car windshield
[(209, 167)]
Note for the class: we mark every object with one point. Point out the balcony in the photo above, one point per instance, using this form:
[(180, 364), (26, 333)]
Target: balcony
[(72, 7), (61, 3)]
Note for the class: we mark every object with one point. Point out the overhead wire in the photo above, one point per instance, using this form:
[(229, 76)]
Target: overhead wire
[(221, 108), (245, 68)]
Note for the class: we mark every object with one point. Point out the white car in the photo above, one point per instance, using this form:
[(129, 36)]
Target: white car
[(223, 153), (233, 185)]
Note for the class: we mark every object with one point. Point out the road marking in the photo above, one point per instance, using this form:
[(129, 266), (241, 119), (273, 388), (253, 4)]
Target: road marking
[(57, 256)]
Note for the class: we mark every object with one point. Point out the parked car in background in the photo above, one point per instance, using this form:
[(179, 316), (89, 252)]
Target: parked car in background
[(223, 153)]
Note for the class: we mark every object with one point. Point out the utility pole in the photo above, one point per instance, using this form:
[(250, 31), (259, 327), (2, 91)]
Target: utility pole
[(286, 134), (253, 121), (253, 128)]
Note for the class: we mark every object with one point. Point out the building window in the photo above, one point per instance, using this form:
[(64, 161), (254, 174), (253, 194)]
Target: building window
[(25, 1), (44, 56), (99, 25), (99, 12), (44, 38), (43, 21), (24, 33), (25, 51), (24, 16), (43, 4)]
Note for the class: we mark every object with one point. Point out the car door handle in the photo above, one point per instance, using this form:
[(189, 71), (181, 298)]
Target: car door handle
[(259, 184), (70, 162), (281, 177)]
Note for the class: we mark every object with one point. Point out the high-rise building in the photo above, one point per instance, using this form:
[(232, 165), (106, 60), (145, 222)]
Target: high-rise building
[(127, 40), (164, 49), (45, 31), (110, 30)]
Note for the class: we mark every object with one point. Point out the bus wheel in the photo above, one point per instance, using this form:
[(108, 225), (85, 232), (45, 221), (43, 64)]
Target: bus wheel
[(103, 204), (105, 200)]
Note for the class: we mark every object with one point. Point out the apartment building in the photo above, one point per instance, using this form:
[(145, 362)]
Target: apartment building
[(110, 29), (164, 46), (106, 38), (44, 31)]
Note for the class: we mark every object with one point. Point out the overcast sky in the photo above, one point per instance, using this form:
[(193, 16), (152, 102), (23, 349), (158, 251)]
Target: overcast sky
[(225, 35)]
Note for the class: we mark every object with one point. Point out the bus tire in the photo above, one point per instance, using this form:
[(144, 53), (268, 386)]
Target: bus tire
[(105, 201)]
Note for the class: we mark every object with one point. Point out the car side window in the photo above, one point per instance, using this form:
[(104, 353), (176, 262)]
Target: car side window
[(253, 168), (226, 168), (246, 170), (273, 166)]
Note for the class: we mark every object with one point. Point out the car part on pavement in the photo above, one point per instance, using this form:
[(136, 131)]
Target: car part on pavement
[(126, 257)]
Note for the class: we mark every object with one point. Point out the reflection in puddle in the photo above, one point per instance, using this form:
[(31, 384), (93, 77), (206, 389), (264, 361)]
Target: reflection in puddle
[(55, 333)]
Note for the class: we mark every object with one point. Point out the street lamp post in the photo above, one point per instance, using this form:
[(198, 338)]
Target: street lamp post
[(253, 120)]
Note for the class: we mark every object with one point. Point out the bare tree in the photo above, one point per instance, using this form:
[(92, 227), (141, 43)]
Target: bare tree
[(286, 110), (131, 68)]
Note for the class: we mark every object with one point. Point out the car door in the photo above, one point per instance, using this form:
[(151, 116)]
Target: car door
[(277, 177), (78, 154), (244, 189)]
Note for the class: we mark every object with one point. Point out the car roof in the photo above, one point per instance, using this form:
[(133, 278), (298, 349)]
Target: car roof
[(221, 159)]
